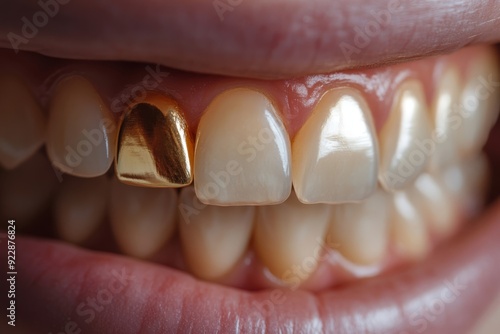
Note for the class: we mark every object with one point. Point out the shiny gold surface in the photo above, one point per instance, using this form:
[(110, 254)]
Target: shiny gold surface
[(154, 146)]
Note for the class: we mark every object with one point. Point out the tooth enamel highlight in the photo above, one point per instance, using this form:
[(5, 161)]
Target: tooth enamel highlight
[(402, 157), (154, 145), (408, 229), (80, 207), (447, 123), (242, 154), (289, 238), (22, 124), (26, 191), (335, 154), (81, 130), (142, 219), (361, 231), (480, 104), (214, 238)]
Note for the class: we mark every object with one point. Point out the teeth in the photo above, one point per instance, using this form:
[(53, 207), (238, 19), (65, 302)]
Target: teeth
[(434, 204), (402, 152), (446, 122), (361, 230), (80, 207), (288, 238), (214, 238), (408, 229), (242, 154), (26, 191), (81, 130), (154, 145), (335, 154), (480, 104), (142, 219), (22, 124)]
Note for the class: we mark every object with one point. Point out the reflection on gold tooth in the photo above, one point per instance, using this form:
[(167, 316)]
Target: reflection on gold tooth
[(445, 119), (142, 219), (242, 154), (81, 129), (80, 207), (408, 229), (289, 238), (401, 159), (335, 153), (439, 210), (154, 146), (361, 230), (27, 190), (214, 238), (22, 124)]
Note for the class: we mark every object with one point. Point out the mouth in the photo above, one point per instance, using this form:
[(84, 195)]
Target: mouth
[(342, 197)]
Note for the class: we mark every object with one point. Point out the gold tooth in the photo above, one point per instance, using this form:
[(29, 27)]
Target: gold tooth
[(154, 147)]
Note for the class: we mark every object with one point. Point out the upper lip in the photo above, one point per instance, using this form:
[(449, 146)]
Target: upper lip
[(263, 39)]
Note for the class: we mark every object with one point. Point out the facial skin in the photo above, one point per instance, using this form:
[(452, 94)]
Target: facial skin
[(253, 39)]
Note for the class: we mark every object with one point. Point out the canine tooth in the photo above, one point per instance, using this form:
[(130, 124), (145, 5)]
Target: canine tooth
[(26, 191), (289, 238), (408, 229), (335, 153), (402, 157), (142, 219), (81, 130), (214, 238), (80, 207), (446, 121), (360, 231), (242, 154), (22, 124), (480, 104), (154, 145)]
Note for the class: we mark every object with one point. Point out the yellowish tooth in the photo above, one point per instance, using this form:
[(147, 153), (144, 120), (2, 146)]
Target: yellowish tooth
[(22, 124), (435, 204), (242, 154), (401, 155), (289, 238), (81, 132), (408, 228), (214, 238), (447, 122), (80, 207), (335, 153), (361, 231), (26, 191), (154, 145), (142, 219), (480, 103)]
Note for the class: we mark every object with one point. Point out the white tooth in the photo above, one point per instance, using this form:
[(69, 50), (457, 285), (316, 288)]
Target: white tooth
[(361, 231), (242, 154), (214, 238), (446, 122), (335, 153), (409, 232), (402, 158), (480, 103), (26, 191), (80, 207), (289, 238), (143, 219), (22, 123)]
